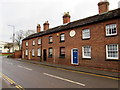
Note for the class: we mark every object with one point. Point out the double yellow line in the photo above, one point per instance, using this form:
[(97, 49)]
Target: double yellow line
[(11, 82)]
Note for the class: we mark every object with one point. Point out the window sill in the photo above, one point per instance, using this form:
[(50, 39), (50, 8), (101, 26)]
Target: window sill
[(62, 57), (33, 56), (111, 35), (62, 41), (49, 56), (39, 44), (50, 42), (85, 38), (86, 58), (112, 59)]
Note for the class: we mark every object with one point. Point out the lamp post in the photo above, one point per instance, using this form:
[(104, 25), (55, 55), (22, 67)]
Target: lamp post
[(13, 36)]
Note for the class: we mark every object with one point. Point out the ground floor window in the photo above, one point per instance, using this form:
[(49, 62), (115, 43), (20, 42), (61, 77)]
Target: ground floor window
[(86, 51), (26, 52), (50, 52), (112, 51), (62, 51), (33, 52), (39, 52)]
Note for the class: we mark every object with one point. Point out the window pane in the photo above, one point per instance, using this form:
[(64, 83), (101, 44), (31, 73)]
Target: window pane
[(39, 41), (86, 52), (62, 51), (111, 29), (50, 51), (39, 52), (86, 33), (33, 52), (62, 37), (50, 39), (112, 51)]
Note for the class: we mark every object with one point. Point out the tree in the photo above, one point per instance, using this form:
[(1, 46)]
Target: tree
[(21, 35), (29, 32), (9, 46)]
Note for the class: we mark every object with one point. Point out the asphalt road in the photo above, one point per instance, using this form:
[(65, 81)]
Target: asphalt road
[(30, 75)]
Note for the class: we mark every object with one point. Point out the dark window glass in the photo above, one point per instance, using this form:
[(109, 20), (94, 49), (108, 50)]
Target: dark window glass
[(62, 51)]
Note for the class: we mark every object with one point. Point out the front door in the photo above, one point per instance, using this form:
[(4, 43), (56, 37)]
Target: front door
[(44, 55), (74, 56)]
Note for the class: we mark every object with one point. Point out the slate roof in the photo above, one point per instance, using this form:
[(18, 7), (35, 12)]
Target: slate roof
[(114, 14)]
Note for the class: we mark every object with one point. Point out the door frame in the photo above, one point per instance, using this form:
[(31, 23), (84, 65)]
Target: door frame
[(44, 55), (72, 56)]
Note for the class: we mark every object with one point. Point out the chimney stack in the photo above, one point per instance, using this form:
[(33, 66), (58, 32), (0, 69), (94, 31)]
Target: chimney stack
[(46, 25), (38, 28), (66, 18), (103, 6)]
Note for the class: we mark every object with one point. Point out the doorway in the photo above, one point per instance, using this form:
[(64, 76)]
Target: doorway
[(74, 56), (44, 55)]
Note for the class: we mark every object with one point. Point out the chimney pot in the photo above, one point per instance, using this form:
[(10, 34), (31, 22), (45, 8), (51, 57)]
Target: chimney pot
[(66, 17), (38, 28), (103, 6), (46, 25)]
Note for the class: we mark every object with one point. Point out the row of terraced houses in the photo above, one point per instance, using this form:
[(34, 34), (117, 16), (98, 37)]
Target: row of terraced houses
[(91, 42)]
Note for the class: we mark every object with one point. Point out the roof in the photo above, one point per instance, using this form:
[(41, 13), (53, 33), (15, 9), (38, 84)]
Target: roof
[(114, 14)]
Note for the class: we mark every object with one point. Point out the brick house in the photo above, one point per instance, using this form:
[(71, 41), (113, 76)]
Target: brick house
[(91, 42)]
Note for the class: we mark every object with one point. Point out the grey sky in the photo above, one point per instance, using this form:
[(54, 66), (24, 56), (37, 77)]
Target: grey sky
[(26, 14)]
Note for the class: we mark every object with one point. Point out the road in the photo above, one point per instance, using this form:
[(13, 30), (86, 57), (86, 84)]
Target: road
[(29, 75)]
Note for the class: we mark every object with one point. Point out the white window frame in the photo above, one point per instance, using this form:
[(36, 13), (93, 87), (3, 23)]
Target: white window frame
[(108, 29), (39, 41), (107, 55), (39, 52), (83, 53), (33, 43), (50, 52), (50, 39), (26, 52), (26, 43), (33, 52), (85, 33), (62, 37)]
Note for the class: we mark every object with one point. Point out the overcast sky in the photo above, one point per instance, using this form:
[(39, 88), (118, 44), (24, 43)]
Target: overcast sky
[(26, 14)]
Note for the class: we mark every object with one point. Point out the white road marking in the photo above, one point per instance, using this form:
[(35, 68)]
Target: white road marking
[(64, 79), (9, 63), (24, 67)]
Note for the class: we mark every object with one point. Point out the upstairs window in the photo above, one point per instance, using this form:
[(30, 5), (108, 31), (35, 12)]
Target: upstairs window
[(62, 51), (86, 34), (33, 52), (50, 39), (86, 51), (111, 30), (50, 52), (33, 43), (112, 51), (39, 41), (62, 37), (39, 52), (26, 43)]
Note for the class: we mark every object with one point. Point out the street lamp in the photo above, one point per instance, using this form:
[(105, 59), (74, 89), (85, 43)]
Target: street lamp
[(13, 35)]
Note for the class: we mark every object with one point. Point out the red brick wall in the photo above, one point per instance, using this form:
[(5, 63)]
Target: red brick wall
[(97, 42), (18, 54)]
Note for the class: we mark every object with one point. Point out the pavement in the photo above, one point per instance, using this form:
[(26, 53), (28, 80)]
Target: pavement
[(96, 71)]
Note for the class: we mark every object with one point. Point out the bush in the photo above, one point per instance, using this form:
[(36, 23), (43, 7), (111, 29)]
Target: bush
[(10, 56)]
